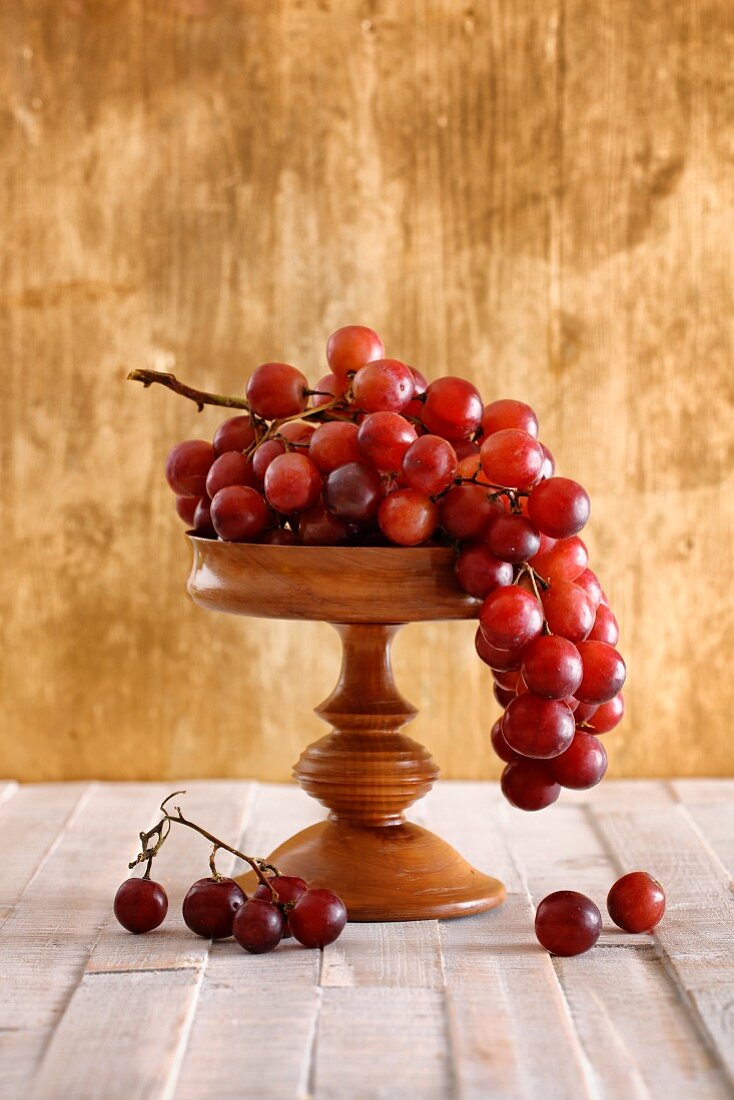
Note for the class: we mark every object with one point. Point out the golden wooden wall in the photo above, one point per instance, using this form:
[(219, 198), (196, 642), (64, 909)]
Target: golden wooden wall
[(537, 195)]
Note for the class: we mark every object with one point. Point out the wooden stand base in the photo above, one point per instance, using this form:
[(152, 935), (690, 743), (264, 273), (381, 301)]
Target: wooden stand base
[(387, 873)]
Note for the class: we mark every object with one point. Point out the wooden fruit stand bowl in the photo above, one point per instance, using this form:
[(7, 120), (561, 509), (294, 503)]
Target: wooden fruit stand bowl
[(366, 770)]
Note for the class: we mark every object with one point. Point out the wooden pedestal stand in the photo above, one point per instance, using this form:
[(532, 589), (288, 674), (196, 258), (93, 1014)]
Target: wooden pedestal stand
[(366, 770)]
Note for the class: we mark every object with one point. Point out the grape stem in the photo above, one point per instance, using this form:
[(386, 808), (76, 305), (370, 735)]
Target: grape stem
[(163, 828), (200, 397)]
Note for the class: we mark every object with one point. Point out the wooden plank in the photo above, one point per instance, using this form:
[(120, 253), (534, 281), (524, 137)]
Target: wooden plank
[(221, 807), (710, 803), (123, 1035), (508, 1020), (32, 819), (638, 1035), (396, 1043), (244, 1031), (697, 931), (405, 954), (8, 788), (46, 940)]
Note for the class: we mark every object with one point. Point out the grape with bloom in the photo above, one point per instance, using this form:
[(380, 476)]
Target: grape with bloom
[(375, 454)]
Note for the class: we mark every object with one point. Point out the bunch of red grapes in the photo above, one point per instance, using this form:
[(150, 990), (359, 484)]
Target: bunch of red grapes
[(217, 908), (375, 455)]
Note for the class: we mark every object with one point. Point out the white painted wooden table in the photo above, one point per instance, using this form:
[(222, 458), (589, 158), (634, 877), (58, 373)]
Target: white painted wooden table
[(470, 1008)]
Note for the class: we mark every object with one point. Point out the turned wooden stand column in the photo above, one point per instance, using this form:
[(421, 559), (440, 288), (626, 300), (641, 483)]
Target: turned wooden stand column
[(366, 771)]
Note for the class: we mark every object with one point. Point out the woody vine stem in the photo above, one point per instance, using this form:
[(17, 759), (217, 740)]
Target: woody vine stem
[(163, 828)]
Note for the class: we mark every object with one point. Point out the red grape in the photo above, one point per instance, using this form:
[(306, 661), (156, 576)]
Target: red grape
[(275, 390), (582, 765), (235, 434), (288, 890), (349, 348), (497, 659), (258, 926), (504, 696), (328, 388), (528, 785), (636, 902), (549, 465), (568, 611), (203, 525), (210, 905), (292, 483), (453, 408), (510, 617), (479, 572), (187, 466), (607, 715), (466, 510), (384, 385), (186, 508), (512, 458), (538, 728), (407, 517), (499, 744), (279, 536), (140, 905), (567, 923), (551, 666), (589, 581), (231, 468), (318, 918), (507, 413), (605, 628), (512, 537), (383, 439), (559, 507), (430, 464), (510, 679), (334, 444), (264, 455), (318, 527), (420, 385), (565, 560), (354, 492), (239, 513), (297, 432), (604, 672)]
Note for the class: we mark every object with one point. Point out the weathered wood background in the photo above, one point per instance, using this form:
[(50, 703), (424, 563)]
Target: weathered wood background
[(539, 196)]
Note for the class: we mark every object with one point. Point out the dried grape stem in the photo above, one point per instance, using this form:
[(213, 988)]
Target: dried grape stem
[(200, 397)]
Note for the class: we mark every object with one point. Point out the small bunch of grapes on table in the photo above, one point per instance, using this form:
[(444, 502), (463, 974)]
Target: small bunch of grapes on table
[(217, 908), (375, 455)]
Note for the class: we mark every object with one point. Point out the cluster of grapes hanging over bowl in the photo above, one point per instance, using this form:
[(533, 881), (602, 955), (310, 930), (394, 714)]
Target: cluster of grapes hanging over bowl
[(375, 455)]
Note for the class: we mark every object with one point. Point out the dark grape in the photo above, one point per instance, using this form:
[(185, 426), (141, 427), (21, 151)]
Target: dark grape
[(318, 527), (466, 510), (275, 390), (354, 492), (258, 926), (186, 509), (582, 765), (559, 507), (279, 536), (318, 918), (479, 572), (504, 696), (210, 905), (288, 889), (567, 923), (140, 905), (512, 538), (203, 525), (636, 902), (528, 785), (538, 728), (187, 466), (497, 659), (239, 513)]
